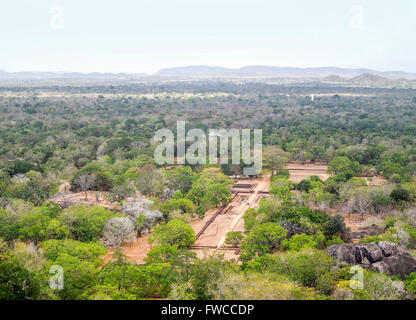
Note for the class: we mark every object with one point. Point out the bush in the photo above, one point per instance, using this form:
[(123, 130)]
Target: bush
[(357, 182), (255, 286), (411, 282), (307, 266), (334, 240), (400, 195), (234, 238), (304, 185), (200, 211), (335, 226), (390, 222), (382, 287), (298, 242), (326, 283), (17, 283)]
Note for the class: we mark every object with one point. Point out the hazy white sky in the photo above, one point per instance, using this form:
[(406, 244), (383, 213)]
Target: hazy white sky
[(146, 35)]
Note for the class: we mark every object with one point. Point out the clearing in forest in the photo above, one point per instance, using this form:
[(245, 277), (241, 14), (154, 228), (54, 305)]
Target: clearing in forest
[(299, 172)]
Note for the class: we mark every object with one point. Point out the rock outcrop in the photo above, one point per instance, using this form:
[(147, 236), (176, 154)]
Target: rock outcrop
[(384, 257)]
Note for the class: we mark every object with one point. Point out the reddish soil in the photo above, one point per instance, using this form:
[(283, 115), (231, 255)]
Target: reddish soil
[(135, 251), (363, 225), (299, 172), (93, 199)]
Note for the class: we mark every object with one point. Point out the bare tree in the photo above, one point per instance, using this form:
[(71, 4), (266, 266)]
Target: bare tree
[(102, 150), (118, 230), (141, 214), (85, 182), (360, 202)]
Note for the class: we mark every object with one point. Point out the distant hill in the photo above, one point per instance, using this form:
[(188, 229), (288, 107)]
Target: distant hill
[(192, 71), (369, 78), (64, 75), (328, 73), (272, 71), (333, 78)]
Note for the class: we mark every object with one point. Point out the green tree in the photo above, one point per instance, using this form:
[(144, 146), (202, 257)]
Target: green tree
[(9, 225), (86, 223), (275, 159), (175, 232), (4, 182), (264, 238), (181, 260), (79, 275), (17, 283), (339, 165), (38, 226), (181, 179), (91, 251)]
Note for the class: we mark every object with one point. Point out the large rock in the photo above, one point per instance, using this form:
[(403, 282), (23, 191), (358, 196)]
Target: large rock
[(363, 253), (401, 263), (383, 257), (388, 248), (368, 253), (342, 252)]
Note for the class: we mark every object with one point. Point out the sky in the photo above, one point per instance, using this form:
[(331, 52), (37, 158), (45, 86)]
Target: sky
[(147, 35)]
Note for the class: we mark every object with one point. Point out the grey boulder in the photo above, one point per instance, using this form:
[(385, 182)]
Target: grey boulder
[(384, 257)]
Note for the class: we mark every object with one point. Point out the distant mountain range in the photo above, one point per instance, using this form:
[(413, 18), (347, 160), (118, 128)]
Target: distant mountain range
[(270, 71), (335, 73), (64, 75)]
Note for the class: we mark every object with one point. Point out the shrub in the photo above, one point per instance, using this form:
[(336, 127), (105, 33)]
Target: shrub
[(234, 238), (307, 266), (298, 242), (400, 195), (334, 240), (17, 283), (200, 211), (326, 283), (304, 185), (335, 226), (411, 282)]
